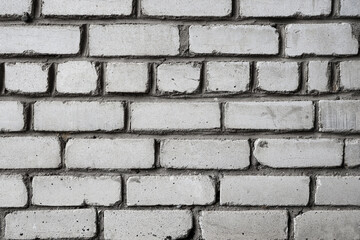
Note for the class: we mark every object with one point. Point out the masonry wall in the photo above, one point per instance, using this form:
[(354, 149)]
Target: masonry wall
[(179, 119)]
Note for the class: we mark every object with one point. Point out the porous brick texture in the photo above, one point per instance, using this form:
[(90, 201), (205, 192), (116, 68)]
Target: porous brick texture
[(180, 119)]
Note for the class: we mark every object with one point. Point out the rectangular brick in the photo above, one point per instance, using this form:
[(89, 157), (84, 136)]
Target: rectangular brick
[(15, 7), (350, 75), (264, 190), (170, 190), (334, 224), (13, 191), (78, 116), (284, 8), (147, 224), (204, 154), (339, 116), (318, 76), (175, 115), (234, 39), (352, 152), (86, 7), (12, 117), (39, 39), (42, 224), (337, 190), (241, 225), (26, 77), (294, 115), (300, 153), (135, 39), (76, 191), (320, 39), (182, 8), (349, 8), (29, 152), (110, 153)]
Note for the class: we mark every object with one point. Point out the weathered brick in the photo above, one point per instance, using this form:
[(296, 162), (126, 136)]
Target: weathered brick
[(181, 8), (234, 39), (204, 154), (147, 225), (170, 190), (12, 118), (284, 8), (264, 190), (269, 115), (29, 152), (40, 224), (339, 116), (227, 76), (337, 190), (349, 75), (76, 191), (349, 8), (13, 191), (86, 7), (352, 152), (39, 39), (175, 115), (328, 225), (178, 77), (15, 7), (318, 76), (135, 39), (26, 77), (126, 77), (300, 153), (76, 77), (241, 225), (110, 153), (320, 39), (278, 76), (78, 116)]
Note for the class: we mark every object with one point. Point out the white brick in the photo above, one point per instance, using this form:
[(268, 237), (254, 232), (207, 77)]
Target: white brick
[(110, 153), (300, 153), (86, 7), (318, 76), (127, 77), (350, 75), (284, 8), (29, 152), (234, 39), (39, 39), (337, 190), (76, 191), (328, 225), (352, 152), (26, 77), (170, 190), (12, 118), (339, 116), (76, 77), (241, 225), (264, 190), (227, 76), (78, 116), (349, 8), (204, 154), (15, 7), (269, 115), (278, 76), (178, 77), (189, 8), (147, 225), (320, 39), (40, 224), (13, 191), (133, 39), (175, 115)]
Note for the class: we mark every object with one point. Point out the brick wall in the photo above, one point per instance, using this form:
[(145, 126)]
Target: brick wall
[(180, 119)]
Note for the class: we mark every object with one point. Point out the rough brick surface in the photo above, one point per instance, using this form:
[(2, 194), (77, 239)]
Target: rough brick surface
[(224, 225), (349, 75), (352, 152), (12, 118), (13, 192), (349, 8), (15, 7), (318, 76), (170, 190), (147, 224)]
